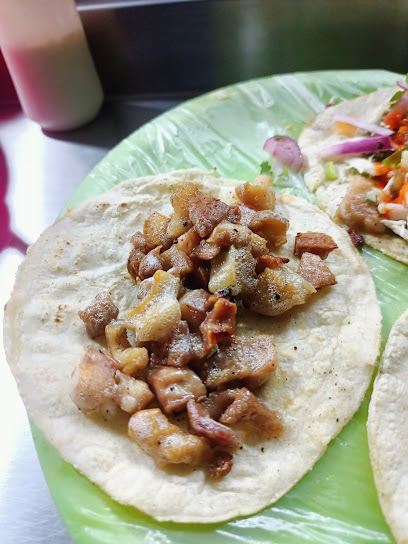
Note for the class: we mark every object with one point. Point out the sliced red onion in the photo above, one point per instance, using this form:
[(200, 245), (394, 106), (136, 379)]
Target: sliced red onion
[(285, 150), (364, 145), (403, 85), (359, 123)]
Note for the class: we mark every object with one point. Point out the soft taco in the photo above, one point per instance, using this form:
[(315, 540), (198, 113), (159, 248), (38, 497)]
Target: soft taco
[(356, 160), (194, 276), (387, 430)]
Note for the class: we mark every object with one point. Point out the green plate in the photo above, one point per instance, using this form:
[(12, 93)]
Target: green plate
[(336, 502)]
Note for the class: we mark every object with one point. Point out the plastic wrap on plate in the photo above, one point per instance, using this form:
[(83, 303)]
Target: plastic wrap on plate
[(336, 502)]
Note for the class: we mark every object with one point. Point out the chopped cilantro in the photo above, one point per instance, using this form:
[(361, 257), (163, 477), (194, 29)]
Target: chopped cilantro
[(395, 97), (393, 160), (266, 168)]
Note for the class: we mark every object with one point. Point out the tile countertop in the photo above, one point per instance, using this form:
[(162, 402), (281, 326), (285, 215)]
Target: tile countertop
[(38, 172)]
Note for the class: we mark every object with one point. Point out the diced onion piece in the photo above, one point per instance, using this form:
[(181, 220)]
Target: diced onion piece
[(363, 145), (365, 125), (285, 150), (396, 212)]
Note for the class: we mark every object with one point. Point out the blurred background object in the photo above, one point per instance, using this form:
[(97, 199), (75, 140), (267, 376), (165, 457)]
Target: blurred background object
[(153, 46), (46, 51)]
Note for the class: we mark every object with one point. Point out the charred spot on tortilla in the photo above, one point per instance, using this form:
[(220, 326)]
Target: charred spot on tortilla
[(188, 382)]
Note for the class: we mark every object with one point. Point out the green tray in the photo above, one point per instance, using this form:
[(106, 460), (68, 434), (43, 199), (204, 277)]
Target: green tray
[(336, 502)]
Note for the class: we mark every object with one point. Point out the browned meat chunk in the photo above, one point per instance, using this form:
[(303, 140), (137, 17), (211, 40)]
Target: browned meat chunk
[(259, 196), (174, 387), (93, 382), (313, 269), (217, 402), (178, 351), (206, 213), (200, 276), (181, 199), (356, 238), (206, 250), (234, 269), (246, 215), (165, 442), (251, 360), (269, 261), (227, 234), (234, 214), (220, 466), (214, 432), (219, 324), (314, 242), (278, 290), (131, 359), (176, 260), (247, 408), (131, 395), (194, 307), (135, 258), (150, 264), (155, 230), (188, 241), (270, 225), (140, 241), (98, 314), (358, 213)]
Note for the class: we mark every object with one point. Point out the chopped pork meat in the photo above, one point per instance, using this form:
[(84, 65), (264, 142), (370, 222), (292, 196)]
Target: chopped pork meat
[(178, 351), (270, 225), (216, 433), (259, 196), (154, 318), (278, 290), (234, 214), (181, 200), (219, 324), (98, 314), (227, 234), (140, 241), (155, 230), (358, 213), (220, 465), (93, 382), (251, 360), (313, 269), (206, 213), (177, 260), (217, 402), (130, 359), (269, 261), (180, 337), (246, 215), (247, 408), (131, 395), (150, 263), (194, 307), (188, 241), (135, 258), (174, 387), (165, 442), (314, 242), (206, 250)]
